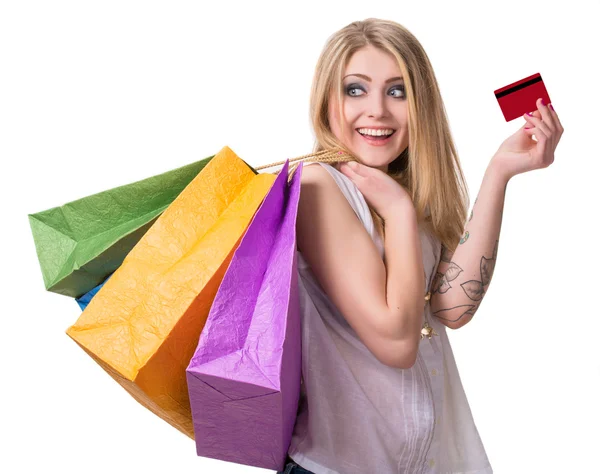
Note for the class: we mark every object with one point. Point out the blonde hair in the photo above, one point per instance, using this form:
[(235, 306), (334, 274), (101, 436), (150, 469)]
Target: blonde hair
[(429, 169)]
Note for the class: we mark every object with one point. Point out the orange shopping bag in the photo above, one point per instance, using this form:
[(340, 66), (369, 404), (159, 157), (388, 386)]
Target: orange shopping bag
[(144, 324)]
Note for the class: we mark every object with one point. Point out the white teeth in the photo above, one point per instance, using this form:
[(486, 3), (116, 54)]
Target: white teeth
[(377, 133)]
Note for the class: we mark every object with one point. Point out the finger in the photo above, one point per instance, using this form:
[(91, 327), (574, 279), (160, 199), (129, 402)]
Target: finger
[(530, 132), (540, 137), (542, 141), (528, 124), (539, 124), (556, 119), (348, 171), (356, 167), (546, 115)]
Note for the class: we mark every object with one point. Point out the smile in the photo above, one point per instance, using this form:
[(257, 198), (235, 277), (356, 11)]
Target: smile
[(376, 137)]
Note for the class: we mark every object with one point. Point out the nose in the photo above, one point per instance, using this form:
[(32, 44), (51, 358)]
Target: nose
[(377, 106)]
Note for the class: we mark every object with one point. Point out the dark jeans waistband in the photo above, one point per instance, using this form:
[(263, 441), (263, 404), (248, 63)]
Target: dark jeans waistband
[(292, 467)]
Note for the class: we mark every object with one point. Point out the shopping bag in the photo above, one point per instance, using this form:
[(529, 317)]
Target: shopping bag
[(244, 378), (80, 243), (143, 325), (84, 300)]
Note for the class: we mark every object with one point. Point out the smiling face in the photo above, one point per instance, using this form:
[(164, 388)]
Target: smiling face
[(374, 103)]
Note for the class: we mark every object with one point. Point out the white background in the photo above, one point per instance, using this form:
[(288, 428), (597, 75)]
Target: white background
[(94, 95)]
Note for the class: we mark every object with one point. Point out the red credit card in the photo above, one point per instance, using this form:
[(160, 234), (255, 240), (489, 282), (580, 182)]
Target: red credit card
[(520, 97)]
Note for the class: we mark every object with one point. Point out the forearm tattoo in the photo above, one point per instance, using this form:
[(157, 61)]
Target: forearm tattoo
[(474, 289)]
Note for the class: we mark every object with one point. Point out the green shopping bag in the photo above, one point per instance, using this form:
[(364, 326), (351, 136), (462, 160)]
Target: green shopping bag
[(82, 242)]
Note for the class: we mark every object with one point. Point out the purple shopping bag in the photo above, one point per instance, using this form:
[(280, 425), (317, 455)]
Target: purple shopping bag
[(244, 378)]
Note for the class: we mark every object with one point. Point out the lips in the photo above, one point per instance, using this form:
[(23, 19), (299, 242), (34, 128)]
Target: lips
[(377, 141), (375, 136)]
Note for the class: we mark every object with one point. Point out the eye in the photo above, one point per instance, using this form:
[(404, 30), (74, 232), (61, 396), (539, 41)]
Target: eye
[(353, 87), (352, 91), (398, 88)]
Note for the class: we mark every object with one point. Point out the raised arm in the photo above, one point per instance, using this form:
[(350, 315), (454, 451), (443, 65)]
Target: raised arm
[(385, 308), (464, 275)]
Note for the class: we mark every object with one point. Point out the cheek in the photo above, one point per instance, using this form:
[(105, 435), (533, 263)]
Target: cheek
[(336, 128), (350, 116), (336, 124)]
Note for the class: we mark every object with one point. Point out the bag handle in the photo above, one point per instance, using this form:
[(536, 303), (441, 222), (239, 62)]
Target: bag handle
[(325, 156)]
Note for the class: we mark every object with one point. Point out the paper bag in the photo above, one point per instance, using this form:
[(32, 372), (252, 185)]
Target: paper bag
[(82, 242), (244, 379), (143, 325), (84, 300)]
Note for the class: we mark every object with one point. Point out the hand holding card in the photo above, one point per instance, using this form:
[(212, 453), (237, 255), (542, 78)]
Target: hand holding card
[(519, 153), (520, 97)]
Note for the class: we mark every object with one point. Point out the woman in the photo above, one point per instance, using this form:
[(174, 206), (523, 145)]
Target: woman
[(381, 392)]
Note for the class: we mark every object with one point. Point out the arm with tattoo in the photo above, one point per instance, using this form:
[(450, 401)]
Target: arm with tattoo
[(463, 276)]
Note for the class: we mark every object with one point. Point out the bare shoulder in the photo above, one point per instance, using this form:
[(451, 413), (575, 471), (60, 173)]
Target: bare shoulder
[(323, 206)]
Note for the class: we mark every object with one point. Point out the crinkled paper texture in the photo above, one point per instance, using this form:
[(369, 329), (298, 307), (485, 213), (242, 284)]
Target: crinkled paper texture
[(244, 379), (82, 242), (143, 325)]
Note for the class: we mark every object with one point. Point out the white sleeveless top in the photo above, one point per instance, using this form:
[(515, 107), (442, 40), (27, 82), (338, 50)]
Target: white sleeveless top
[(359, 416)]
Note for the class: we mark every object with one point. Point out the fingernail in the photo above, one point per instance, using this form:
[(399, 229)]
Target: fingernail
[(527, 128), (543, 102), (551, 106), (531, 115)]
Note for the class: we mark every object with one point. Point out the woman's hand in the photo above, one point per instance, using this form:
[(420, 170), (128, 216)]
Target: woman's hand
[(381, 191), (519, 153)]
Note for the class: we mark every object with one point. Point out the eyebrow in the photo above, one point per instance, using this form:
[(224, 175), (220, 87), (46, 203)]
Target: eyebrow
[(367, 78)]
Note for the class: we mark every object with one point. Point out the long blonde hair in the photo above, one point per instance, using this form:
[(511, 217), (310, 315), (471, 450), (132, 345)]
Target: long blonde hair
[(429, 169)]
